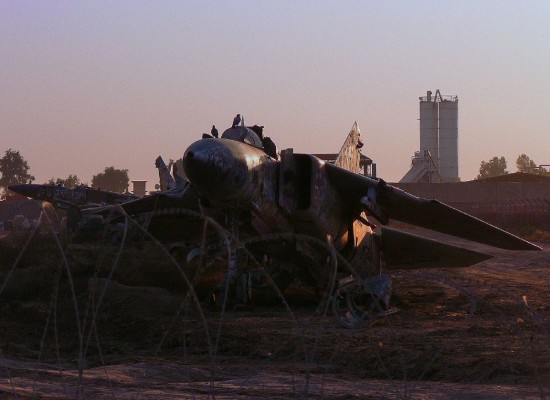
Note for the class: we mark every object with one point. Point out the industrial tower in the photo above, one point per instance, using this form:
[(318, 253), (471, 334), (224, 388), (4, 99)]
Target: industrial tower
[(437, 160)]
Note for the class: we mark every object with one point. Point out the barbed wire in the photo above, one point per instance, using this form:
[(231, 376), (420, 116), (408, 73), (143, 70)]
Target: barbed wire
[(301, 342)]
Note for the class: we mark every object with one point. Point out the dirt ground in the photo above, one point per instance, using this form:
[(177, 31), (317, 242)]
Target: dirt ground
[(481, 332)]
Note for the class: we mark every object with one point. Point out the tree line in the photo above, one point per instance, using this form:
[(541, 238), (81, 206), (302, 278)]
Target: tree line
[(497, 166), (14, 170)]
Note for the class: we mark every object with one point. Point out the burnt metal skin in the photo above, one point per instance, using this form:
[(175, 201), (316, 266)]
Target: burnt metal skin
[(236, 176), (292, 195)]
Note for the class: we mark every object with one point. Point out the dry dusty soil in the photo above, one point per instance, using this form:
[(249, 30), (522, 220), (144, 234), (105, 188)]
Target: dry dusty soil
[(481, 332)]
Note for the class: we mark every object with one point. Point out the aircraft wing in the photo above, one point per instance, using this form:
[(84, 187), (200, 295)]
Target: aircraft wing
[(163, 213), (406, 251), (188, 199), (386, 202)]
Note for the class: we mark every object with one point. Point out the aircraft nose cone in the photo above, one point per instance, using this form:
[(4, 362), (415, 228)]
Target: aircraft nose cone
[(214, 168), (199, 165)]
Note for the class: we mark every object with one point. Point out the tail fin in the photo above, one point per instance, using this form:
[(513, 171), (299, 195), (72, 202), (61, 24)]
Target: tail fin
[(166, 180), (178, 174), (350, 154)]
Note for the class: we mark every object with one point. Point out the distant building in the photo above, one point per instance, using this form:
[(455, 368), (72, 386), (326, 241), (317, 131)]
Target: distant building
[(139, 188), (366, 164)]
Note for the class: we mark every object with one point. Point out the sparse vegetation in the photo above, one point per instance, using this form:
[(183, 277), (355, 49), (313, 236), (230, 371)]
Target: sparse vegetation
[(13, 170), (539, 233), (70, 182), (494, 167), (112, 179), (536, 235)]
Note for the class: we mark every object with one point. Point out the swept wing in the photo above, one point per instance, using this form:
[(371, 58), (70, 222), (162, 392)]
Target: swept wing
[(386, 202)]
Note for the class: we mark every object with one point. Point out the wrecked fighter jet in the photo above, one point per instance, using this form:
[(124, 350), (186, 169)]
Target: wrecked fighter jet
[(302, 218), (299, 194)]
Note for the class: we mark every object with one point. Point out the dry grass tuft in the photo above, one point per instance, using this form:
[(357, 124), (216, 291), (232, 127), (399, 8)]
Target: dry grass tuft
[(533, 233)]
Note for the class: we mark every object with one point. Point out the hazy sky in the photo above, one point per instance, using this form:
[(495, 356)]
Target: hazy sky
[(90, 84)]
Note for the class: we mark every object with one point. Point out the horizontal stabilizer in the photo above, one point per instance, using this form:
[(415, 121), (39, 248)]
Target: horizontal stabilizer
[(404, 250)]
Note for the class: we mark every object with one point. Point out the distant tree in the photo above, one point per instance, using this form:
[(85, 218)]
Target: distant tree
[(525, 164), (57, 181), (115, 180), (494, 167), (70, 182), (14, 170)]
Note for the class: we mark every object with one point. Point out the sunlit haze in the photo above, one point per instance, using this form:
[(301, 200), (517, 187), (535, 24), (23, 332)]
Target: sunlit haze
[(86, 85)]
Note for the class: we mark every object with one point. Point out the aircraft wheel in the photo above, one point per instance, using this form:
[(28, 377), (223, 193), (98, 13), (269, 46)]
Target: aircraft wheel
[(355, 304), (351, 308)]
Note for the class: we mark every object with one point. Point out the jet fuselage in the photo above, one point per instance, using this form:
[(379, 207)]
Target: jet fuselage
[(287, 195)]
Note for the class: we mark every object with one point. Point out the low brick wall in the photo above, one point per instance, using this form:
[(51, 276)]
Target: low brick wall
[(479, 192), (501, 203)]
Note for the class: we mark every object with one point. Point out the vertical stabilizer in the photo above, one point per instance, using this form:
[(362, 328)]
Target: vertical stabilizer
[(350, 153), (178, 174), (167, 182)]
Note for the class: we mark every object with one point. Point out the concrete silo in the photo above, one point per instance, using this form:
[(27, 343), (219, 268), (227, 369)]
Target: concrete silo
[(448, 139), (428, 126), (437, 160)]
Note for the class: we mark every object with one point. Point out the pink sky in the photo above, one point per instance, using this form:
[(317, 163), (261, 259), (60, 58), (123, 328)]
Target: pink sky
[(87, 85)]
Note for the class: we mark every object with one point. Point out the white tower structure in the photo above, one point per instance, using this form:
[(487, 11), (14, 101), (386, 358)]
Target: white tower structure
[(448, 139), (437, 160), (429, 136), (439, 133)]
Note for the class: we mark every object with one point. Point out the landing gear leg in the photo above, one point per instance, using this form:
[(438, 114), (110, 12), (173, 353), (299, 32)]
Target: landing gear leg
[(357, 302)]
